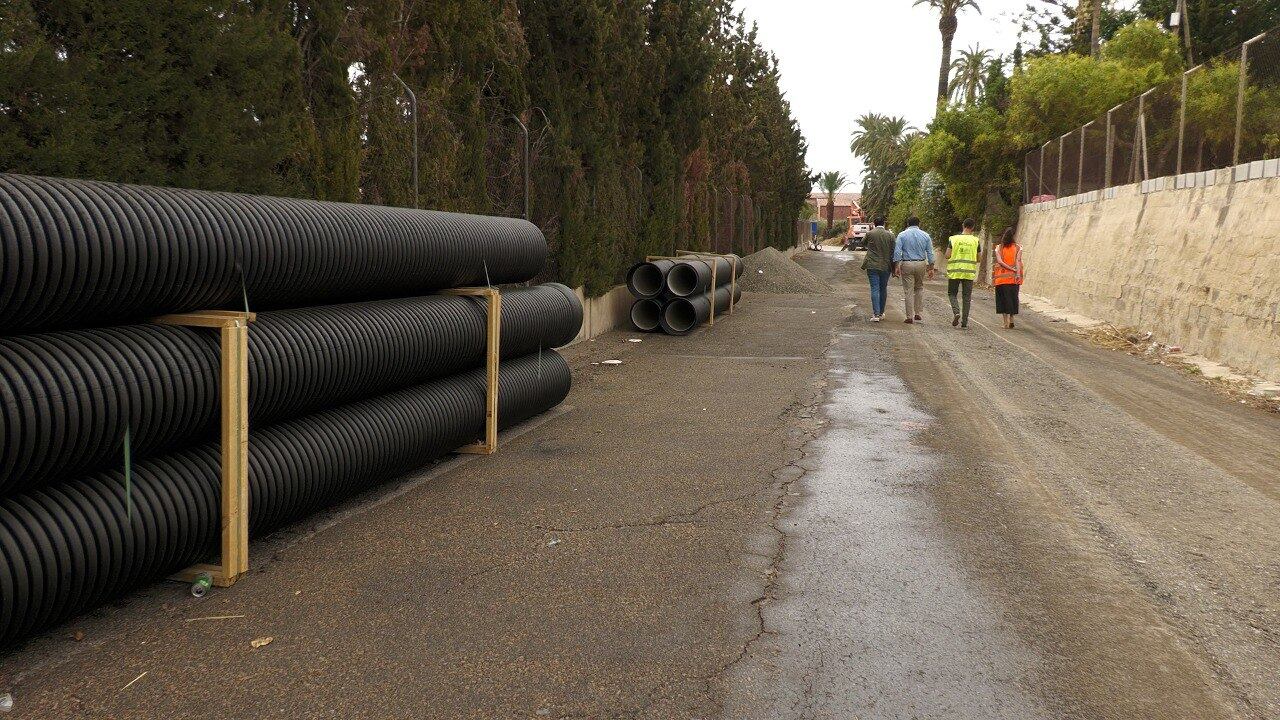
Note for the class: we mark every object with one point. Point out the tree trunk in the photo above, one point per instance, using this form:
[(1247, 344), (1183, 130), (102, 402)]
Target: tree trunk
[(1095, 32), (947, 26), (831, 213), (984, 257)]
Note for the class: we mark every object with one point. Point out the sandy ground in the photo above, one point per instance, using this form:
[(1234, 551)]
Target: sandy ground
[(796, 514)]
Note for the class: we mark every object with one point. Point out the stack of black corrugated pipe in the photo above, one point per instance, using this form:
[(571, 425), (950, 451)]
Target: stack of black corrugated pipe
[(676, 295), (342, 397)]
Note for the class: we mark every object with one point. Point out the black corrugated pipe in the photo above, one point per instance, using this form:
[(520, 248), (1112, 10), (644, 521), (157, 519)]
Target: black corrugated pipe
[(692, 275), (78, 252), (682, 315), (648, 279), (66, 397), (72, 546), (646, 314)]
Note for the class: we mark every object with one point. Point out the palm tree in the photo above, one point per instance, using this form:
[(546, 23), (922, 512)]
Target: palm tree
[(970, 75), (880, 139), (831, 182), (884, 144), (947, 24), (1089, 22)]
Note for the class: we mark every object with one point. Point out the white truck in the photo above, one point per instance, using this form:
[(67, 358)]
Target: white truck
[(857, 237)]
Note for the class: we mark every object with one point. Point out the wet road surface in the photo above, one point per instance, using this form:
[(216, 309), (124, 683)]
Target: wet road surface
[(875, 614)]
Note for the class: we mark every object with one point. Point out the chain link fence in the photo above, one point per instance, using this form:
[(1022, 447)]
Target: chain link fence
[(1093, 157), (1260, 131), (1222, 113), (1069, 174)]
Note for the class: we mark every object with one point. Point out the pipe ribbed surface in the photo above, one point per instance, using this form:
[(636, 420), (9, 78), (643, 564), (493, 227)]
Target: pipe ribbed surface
[(70, 547), (682, 315), (691, 274), (66, 397), (648, 279), (79, 252)]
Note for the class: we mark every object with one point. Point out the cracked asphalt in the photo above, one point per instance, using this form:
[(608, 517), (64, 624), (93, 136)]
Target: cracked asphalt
[(794, 514)]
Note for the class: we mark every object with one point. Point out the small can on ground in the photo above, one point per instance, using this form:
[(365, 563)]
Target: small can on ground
[(201, 585)]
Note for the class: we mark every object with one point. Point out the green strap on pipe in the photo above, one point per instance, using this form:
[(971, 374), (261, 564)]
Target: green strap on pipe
[(128, 477)]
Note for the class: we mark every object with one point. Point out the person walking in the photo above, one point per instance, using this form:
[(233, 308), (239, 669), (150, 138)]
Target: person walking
[(878, 263), (962, 268), (1007, 273), (913, 261)]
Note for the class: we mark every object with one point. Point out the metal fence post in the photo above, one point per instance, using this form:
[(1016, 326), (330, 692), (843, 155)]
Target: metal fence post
[(413, 105), (1240, 92), (1140, 132), (1080, 165), (1026, 178), (715, 214), (1057, 190), (1110, 153), (525, 129), (755, 233), (1040, 177), (1182, 121)]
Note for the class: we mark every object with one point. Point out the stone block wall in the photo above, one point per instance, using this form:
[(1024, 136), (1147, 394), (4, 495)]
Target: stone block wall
[(1195, 259)]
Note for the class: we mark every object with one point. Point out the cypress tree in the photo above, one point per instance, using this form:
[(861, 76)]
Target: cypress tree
[(655, 124), (186, 92)]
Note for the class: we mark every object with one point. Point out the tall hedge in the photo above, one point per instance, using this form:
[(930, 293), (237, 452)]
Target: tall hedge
[(655, 124)]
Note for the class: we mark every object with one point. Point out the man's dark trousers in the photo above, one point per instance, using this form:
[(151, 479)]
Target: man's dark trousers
[(964, 288)]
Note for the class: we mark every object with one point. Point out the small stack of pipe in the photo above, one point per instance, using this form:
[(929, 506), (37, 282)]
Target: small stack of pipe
[(676, 295), (342, 396)]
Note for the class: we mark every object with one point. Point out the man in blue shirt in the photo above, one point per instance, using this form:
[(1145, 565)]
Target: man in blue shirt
[(913, 262)]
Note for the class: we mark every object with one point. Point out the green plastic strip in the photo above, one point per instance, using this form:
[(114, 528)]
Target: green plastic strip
[(128, 477)]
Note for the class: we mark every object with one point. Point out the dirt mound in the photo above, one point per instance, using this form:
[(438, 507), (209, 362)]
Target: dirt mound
[(769, 271)]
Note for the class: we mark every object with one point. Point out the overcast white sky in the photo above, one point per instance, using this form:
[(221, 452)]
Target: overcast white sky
[(843, 58)]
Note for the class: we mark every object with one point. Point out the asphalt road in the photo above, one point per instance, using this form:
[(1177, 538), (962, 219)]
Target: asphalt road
[(1065, 532), (796, 514)]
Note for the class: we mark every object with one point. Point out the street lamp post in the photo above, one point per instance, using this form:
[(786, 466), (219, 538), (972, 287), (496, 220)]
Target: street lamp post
[(413, 107), (525, 129)]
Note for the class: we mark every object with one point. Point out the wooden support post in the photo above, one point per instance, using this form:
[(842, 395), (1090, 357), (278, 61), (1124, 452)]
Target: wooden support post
[(493, 323), (234, 395)]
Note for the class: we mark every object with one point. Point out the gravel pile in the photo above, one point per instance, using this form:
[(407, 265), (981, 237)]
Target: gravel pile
[(769, 271)]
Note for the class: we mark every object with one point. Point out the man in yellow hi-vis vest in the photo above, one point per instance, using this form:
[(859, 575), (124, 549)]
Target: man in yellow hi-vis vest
[(962, 268)]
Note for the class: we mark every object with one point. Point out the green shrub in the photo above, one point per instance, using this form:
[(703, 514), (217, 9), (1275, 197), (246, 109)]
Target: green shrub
[(836, 230)]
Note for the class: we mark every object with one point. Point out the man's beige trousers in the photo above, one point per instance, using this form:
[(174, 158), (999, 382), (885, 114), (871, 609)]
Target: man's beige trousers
[(913, 277)]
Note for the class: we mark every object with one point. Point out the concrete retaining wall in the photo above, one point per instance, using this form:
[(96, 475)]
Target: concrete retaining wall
[(607, 312), (1195, 259)]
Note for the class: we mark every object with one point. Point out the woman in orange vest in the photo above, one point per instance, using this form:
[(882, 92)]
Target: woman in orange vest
[(1007, 276)]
